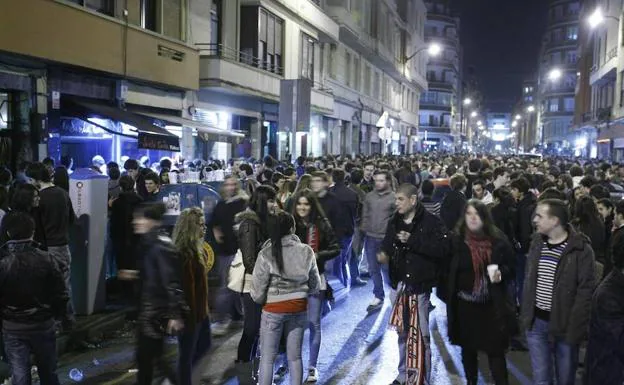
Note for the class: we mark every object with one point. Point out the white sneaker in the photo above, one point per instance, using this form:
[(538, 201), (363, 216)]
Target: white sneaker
[(220, 328), (376, 304), (313, 375)]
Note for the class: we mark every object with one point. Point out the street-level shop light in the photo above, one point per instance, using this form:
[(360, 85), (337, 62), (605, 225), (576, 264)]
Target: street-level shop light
[(514, 123), (555, 74)]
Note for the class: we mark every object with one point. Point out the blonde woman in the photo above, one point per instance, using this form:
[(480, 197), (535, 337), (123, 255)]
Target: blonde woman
[(197, 258)]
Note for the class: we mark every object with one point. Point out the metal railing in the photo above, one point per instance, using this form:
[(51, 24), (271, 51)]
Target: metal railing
[(245, 57)]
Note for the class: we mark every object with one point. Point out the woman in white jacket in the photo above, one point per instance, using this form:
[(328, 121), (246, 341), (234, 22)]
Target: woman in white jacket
[(283, 290)]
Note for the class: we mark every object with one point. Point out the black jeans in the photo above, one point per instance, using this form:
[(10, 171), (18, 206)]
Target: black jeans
[(150, 353), (42, 344), (251, 329), (498, 367)]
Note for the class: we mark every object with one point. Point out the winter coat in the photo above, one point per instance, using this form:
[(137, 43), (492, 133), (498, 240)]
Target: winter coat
[(251, 237), (594, 230), (123, 238), (499, 306), (162, 297), (417, 262), (32, 288), (575, 282), (377, 211), (524, 227), (329, 248), (452, 208), (333, 210), (605, 349), (505, 218), (299, 278), (223, 218), (348, 203)]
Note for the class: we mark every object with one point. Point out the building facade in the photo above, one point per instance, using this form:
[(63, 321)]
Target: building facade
[(558, 74), (525, 115), (440, 104)]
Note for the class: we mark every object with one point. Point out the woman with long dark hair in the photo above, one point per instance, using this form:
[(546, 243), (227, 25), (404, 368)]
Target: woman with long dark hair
[(252, 230), (588, 221), (480, 314), (314, 229), (284, 276), (196, 259)]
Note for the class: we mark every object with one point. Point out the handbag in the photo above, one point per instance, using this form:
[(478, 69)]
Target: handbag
[(238, 281)]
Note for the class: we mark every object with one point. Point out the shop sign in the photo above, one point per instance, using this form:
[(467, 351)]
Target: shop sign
[(158, 142), (208, 137)]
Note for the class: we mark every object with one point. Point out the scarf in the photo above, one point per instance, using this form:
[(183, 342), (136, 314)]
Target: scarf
[(404, 319), (481, 253), (313, 238)]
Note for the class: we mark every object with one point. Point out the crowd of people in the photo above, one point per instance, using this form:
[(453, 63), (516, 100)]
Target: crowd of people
[(526, 253)]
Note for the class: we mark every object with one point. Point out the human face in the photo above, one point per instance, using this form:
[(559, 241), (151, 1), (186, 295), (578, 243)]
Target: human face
[(579, 193), (368, 172), (280, 183), (151, 186), (143, 225), (515, 193), (473, 220), (229, 187), (478, 191), (381, 184), (318, 184), (303, 207), (36, 199), (165, 177), (202, 227), (543, 221), (604, 210), (133, 173), (502, 180), (272, 206), (405, 203)]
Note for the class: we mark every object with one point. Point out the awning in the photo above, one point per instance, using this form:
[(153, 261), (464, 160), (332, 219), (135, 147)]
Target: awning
[(200, 127), (150, 136)]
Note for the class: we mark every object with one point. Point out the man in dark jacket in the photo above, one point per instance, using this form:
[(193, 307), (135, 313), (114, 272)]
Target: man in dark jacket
[(559, 284), (525, 206), (344, 229), (454, 202), (416, 246), (32, 295)]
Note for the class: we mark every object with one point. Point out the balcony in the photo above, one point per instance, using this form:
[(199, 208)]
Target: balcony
[(606, 68), (435, 105), (76, 36), (443, 61), (563, 19), (435, 129), (441, 85), (560, 44), (235, 71), (312, 15), (446, 41), (441, 17)]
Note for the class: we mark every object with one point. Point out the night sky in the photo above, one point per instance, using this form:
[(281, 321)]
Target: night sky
[(501, 40)]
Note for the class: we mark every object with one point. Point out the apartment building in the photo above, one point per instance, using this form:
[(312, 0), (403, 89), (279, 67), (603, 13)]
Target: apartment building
[(525, 116), (558, 74), (440, 107)]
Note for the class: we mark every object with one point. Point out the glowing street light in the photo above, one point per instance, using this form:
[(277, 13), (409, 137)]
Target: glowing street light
[(596, 18), (518, 117), (479, 123), (467, 101), (531, 109), (474, 114), (514, 123), (555, 74), (434, 49)]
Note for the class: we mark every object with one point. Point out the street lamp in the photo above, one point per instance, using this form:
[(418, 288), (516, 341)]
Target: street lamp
[(554, 74), (530, 109), (433, 49), (479, 123), (467, 101), (474, 114), (597, 18), (518, 117), (514, 123)]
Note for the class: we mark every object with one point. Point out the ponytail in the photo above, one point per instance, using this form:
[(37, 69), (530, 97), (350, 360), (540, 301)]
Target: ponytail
[(280, 225)]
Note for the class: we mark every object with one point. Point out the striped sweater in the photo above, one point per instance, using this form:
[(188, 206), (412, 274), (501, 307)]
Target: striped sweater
[(546, 270)]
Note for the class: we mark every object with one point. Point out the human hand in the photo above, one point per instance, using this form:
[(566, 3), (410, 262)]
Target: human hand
[(403, 236), (174, 326)]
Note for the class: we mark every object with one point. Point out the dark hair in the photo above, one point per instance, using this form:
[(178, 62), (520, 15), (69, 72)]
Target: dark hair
[(5, 176), (66, 161), (4, 198), (479, 182), (552, 193), (451, 170), (338, 176), (276, 177), (114, 173), (126, 182), (131, 164), (316, 211), (619, 208), (384, 173), (585, 210), (408, 190), (279, 225), (489, 228), (153, 177), (166, 163), (289, 171), (557, 208), (599, 192), (258, 203), (427, 187), (357, 174), (48, 161), (546, 185), (474, 165), (576, 171), (369, 163), (18, 225), (588, 181), (458, 182), (266, 176), (153, 210), (111, 165), (61, 178), (503, 194), (566, 179), (498, 171), (23, 197), (522, 184), (300, 160), (606, 202), (38, 172), (247, 168)]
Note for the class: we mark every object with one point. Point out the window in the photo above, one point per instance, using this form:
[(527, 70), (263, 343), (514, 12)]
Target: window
[(376, 85), (568, 104), (386, 90), (161, 16), (262, 47), (215, 12), (333, 50), (622, 89), (357, 73), (553, 105), (307, 57), (347, 72), (572, 33), (571, 57), (557, 35), (367, 79), (106, 7), (570, 81)]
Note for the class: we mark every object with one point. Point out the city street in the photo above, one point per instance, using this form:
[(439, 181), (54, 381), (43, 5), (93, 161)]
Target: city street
[(356, 349)]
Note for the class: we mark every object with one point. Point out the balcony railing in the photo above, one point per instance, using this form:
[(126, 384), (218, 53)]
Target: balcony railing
[(602, 60), (441, 85), (247, 58), (422, 127)]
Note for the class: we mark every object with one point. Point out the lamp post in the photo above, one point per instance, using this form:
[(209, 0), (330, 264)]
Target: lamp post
[(597, 18), (433, 49), (465, 103)]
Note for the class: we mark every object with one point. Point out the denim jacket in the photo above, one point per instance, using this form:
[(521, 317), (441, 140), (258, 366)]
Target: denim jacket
[(299, 278)]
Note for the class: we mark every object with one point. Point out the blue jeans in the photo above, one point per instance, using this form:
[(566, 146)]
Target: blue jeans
[(228, 303), (62, 257), (544, 352), (423, 322), (19, 347), (341, 262), (315, 305), (379, 273), (192, 345), (358, 264), (273, 325)]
